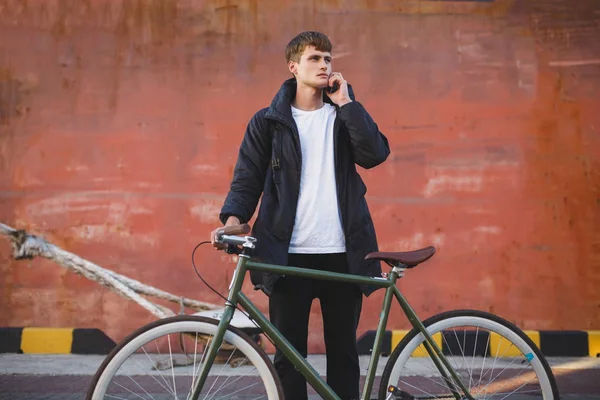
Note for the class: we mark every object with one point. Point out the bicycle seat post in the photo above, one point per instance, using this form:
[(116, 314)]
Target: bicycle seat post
[(397, 269)]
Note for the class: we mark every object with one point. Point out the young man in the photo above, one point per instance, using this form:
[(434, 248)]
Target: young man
[(300, 154)]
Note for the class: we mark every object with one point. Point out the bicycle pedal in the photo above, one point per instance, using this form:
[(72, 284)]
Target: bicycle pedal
[(398, 394)]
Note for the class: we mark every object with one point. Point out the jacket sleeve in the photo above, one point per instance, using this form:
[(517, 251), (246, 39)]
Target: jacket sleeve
[(250, 170), (370, 147)]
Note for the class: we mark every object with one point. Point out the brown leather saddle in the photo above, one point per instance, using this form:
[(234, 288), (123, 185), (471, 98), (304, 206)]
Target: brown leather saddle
[(408, 259)]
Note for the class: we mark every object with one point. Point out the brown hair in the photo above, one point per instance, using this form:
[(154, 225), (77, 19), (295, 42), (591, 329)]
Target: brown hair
[(296, 46)]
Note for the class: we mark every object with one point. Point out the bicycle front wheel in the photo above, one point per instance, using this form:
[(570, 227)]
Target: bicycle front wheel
[(493, 358), (162, 361)]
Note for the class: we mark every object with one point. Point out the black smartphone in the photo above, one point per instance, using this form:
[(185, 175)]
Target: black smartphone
[(334, 88)]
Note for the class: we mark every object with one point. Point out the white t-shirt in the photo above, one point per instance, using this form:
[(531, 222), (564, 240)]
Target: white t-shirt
[(318, 226)]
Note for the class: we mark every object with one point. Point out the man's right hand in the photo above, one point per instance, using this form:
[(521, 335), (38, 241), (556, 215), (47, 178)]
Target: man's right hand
[(232, 220)]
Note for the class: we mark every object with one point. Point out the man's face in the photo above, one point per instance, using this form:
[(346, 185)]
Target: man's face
[(313, 69)]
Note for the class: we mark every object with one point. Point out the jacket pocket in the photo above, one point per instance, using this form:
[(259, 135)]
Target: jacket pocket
[(271, 215)]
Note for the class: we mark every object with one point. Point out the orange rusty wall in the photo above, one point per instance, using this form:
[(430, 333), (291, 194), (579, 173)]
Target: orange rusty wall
[(120, 123)]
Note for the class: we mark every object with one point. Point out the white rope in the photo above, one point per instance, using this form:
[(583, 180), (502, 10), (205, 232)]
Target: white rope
[(27, 246)]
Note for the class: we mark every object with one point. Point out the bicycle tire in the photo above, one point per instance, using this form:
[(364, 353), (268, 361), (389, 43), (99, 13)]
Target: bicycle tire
[(178, 325), (438, 323)]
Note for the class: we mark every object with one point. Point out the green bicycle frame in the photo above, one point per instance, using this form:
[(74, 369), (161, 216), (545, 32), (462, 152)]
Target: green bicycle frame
[(237, 297)]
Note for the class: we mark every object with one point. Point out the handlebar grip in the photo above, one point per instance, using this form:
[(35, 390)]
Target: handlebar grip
[(235, 229)]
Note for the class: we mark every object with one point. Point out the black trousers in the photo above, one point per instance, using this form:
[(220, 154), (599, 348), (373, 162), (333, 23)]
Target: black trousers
[(341, 303)]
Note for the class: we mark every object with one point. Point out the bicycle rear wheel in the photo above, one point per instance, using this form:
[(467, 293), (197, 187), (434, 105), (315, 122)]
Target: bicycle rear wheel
[(493, 358), (161, 361)]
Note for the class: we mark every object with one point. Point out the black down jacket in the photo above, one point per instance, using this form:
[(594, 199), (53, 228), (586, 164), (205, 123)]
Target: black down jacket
[(269, 163)]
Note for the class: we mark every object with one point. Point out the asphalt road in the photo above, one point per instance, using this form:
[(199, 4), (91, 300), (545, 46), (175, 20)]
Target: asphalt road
[(39, 377)]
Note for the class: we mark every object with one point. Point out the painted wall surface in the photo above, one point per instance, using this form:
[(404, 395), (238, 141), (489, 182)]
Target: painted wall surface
[(120, 123)]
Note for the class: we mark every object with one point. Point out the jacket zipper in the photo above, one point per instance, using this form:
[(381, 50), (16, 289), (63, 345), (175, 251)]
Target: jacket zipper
[(336, 134)]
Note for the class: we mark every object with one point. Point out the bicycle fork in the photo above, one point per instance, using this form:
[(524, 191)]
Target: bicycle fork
[(211, 353)]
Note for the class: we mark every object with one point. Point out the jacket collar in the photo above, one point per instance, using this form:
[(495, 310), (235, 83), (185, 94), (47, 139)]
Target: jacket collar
[(280, 105)]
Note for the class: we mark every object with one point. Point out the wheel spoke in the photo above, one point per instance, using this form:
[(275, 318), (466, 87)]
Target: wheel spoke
[(138, 385), (166, 387), (172, 367), (473, 359), (199, 365), (483, 363)]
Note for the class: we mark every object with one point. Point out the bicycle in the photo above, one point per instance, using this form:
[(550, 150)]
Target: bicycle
[(434, 340)]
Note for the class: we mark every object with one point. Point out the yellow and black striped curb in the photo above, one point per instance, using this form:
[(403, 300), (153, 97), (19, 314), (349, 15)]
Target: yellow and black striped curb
[(54, 341), (550, 343)]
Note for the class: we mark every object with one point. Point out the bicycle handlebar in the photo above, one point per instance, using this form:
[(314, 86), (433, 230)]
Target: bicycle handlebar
[(227, 236), (233, 240), (234, 230)]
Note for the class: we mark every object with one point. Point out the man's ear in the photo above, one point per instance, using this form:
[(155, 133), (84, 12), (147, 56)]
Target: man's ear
[(292, 66)]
